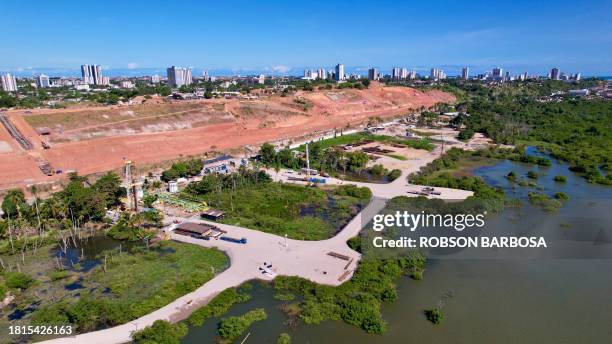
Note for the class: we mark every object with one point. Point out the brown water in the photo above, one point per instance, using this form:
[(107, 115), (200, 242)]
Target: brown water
[(562, 296)]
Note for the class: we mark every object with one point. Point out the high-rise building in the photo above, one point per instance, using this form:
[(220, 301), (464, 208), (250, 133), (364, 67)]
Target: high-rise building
[(42, 81), (413, 74), (373, 74), (577, 77), (340, 72), (9, 84), (555, 73), (404, 73), (92, 74), (155, 79), (465, 73), (497, 73), (179, 76), (395, 73), (322, 74), (437, 74)]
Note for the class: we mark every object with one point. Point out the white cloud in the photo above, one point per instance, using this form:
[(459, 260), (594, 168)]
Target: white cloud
[(132, 65)]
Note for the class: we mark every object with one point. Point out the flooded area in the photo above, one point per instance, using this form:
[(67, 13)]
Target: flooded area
[(556, 295)]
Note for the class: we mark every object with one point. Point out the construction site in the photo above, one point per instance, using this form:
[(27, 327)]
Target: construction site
[(41, 146)]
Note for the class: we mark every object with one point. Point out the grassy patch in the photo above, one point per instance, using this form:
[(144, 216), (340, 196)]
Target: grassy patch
[(358, 137), (301, 212), (133, 284)]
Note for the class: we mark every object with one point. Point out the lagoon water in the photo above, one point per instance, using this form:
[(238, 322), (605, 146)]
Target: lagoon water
[(562, 294)]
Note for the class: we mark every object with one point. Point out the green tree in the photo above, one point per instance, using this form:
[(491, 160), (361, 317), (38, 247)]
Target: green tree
[(267, 154), (14, 204)]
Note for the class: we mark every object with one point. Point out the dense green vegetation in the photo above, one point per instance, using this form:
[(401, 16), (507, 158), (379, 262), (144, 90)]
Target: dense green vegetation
[(136, 227), (250, 199), (232, 327), (37, 224), (357, 301), (161, 332), (438, 173), (131, 284), (188, 168), (578, 131), (218, 306)]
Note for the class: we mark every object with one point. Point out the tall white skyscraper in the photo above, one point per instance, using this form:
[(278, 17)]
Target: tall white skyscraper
[(179, 76), (42, 81), (465, 73), (92, 74), (322, 73), (9, 84), (340, 72), (395, 73), (437, 74), (404, 73), (155, 79)]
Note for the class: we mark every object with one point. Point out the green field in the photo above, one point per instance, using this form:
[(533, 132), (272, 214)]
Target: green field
[(361, 136)]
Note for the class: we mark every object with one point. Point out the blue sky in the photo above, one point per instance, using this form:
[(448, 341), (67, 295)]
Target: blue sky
[(287, 36)]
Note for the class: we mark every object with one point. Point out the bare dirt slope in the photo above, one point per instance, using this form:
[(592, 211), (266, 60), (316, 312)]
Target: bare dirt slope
[(97, 139)]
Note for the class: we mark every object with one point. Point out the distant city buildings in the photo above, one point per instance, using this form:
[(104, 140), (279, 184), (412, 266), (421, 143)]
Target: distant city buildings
[(373, 74), (155, 79), (465, 73), (92, 75), (126, 84), (340, 72), (179, 76), (395, 73), (9, 84), (437, 74), (497, 73), (42, 81)]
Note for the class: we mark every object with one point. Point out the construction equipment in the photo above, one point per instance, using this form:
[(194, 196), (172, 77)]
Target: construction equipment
[(45, 167)]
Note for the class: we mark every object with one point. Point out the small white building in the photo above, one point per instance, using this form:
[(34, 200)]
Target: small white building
[(579, 93), (172, 186)]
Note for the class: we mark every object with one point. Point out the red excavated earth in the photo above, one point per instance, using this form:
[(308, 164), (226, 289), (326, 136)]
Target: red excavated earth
[(244, 123)]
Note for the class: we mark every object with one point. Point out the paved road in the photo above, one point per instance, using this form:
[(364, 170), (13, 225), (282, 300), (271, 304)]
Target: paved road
[(307, 259)]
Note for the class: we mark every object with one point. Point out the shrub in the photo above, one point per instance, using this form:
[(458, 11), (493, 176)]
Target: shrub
[(18, 280), (532, 175), (434, 315), (161, 332), (283, 338), (560, 179), (232, 327)]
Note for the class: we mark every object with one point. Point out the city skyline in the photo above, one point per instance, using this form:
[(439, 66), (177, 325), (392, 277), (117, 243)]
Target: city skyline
[(577, 40)]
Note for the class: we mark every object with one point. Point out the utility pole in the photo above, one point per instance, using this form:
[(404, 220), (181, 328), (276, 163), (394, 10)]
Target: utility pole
[(307, 160), (128, 183)]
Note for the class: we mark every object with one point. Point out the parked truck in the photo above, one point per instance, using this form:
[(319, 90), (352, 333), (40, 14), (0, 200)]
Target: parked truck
[(238, 241)]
